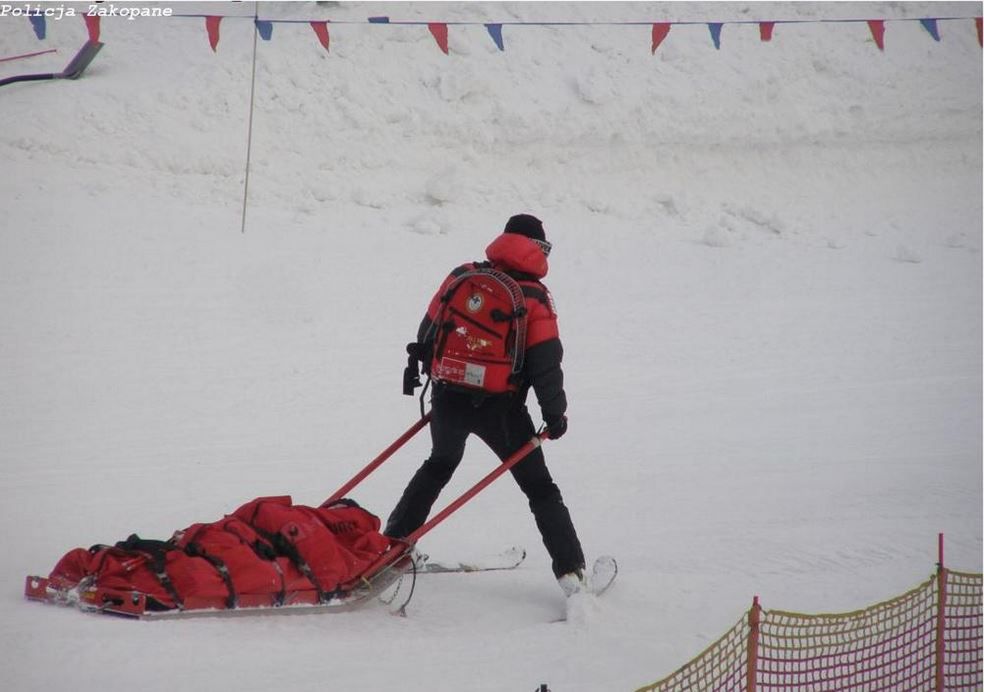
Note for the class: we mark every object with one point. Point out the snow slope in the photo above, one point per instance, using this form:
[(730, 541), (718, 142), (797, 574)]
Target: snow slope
[(767, 265)]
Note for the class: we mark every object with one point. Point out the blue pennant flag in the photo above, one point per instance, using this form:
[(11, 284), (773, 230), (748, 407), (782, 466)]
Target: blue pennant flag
[(39, 26), (495, 31), (715, 28), (265, 28), (930, 26)]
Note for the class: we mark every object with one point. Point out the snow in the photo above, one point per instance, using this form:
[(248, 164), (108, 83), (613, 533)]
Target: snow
[(767, 262)]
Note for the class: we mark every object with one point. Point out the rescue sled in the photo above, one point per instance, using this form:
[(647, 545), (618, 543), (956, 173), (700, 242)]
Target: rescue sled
[(269, 556)]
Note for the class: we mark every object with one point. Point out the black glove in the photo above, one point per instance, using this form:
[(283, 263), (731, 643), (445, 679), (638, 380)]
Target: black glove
[(556, 426), (411, 377), (422, 352)]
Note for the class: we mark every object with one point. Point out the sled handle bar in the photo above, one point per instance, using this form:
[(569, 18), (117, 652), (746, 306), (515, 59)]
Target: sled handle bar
[(402, 546), (383, 456), (516, 457)]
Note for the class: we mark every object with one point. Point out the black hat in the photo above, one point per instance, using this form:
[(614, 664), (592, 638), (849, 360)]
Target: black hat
[(526, 224)]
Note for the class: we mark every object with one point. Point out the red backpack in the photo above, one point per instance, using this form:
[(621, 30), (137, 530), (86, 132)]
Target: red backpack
[(480, 332)]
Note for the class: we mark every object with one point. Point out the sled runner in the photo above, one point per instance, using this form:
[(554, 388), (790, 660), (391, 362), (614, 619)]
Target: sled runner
[(268, 556)]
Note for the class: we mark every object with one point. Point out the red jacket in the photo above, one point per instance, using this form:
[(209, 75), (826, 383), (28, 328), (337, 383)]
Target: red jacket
[(523, 259)]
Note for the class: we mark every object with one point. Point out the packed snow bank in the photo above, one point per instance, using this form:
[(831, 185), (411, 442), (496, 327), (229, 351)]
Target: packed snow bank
[(767, 265)]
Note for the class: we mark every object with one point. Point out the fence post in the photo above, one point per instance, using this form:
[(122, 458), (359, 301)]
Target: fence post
[(940, 616), (751, 673)]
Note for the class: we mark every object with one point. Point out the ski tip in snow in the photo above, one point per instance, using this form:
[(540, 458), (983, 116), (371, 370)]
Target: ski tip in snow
[(603, 574)]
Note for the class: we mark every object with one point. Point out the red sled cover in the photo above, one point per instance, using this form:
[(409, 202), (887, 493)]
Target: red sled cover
[(269, 552)]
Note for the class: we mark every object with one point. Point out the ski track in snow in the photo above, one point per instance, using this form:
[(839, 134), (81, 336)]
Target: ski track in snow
[(767, 267)]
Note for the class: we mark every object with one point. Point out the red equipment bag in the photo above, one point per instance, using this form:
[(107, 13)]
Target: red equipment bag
[(269, 552)]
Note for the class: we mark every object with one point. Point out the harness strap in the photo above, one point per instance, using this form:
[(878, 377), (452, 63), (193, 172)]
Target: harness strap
[(289, 550), (156, 551), (196, 550)]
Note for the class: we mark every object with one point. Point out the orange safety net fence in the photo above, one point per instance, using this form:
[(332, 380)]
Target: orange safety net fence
[(963, 646), (929, 638), (721, 666)]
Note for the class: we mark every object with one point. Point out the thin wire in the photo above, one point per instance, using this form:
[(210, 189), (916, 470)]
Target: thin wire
[(645, 22), (249, 135)]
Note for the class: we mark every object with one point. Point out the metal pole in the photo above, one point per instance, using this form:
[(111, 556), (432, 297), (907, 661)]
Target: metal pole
[(940, 617), (751, 673), (249, 127)]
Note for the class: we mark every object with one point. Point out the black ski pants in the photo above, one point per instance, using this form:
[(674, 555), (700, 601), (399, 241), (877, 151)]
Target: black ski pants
[(504, 424)]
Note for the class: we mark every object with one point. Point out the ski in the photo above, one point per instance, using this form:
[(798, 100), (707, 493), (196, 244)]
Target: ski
[(73, 70), (510, 558), (582, 604), (603, 573)]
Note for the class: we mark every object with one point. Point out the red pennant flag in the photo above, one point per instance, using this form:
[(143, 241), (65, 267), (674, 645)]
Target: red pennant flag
[(321, 29), (877, 27), (980, 30), (659, 33), (440, 32), (765, 30), (212, 27), (92, 25)]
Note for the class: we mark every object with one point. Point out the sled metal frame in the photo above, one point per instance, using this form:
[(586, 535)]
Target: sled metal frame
[(134, 604)]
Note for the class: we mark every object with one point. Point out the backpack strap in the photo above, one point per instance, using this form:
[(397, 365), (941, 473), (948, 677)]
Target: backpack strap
[(537, 292), (518, 317)]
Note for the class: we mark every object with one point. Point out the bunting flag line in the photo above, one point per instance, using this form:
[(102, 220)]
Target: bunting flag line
[(931, 26), (39, 26), (439, 30), (212, 28), (92, 26), (495, 31), (660, 32), (321, 31), (715, 28), (877, 27)]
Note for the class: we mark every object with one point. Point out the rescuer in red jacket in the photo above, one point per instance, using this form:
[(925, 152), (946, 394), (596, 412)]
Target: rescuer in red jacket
[(502, 420)]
